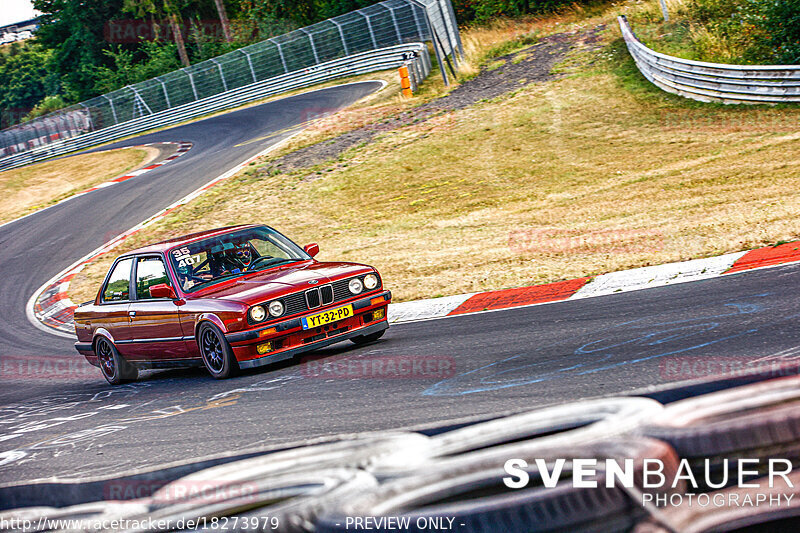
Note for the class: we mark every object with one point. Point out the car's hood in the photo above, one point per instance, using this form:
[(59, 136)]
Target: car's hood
[(257, 287)]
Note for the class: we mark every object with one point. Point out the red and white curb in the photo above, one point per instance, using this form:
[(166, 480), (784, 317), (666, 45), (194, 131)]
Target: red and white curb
[(183, 147), (615, 282), (49, 308)]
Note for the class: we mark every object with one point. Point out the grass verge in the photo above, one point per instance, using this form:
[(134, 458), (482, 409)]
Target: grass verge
[(32, 187)]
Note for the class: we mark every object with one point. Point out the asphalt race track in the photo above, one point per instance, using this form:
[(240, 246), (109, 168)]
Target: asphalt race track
[(420, 374), (36, 248)]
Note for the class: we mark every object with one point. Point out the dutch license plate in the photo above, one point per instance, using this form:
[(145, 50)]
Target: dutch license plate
[(326, 317)]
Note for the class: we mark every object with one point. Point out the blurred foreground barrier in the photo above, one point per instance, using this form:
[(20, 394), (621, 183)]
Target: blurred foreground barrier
[(714, 82), (579, 467), (550, 428), (758, 421), (474, 498)]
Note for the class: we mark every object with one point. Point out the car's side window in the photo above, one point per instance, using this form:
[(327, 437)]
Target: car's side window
[(117, 287), (149, 271)]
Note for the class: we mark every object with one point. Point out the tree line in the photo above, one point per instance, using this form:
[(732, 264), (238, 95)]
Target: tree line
[(86, 48)]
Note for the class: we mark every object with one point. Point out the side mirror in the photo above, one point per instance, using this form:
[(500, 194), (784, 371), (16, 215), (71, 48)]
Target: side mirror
[(162, 290), (311, 249)]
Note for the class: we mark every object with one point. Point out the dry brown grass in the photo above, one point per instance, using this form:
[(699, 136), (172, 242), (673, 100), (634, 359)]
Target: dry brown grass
[(592, 173), (572, 178), (481, 43), (31, 187)]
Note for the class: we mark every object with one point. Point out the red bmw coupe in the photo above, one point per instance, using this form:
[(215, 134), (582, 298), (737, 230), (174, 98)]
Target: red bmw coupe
[(229, 299)]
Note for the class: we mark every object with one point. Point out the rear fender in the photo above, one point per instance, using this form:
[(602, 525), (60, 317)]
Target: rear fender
[(102, 332)]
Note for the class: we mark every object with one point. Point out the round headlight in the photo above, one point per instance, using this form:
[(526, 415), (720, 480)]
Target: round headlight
[(258, 313), (355, 286), (370, 281), (276, 308)]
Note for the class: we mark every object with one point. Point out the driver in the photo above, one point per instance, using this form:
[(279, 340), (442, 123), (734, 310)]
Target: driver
[(236, 260), (244, 256), (185, 276)]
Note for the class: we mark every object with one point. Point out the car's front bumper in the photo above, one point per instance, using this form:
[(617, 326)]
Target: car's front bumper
[(291, 352), (288, 338)]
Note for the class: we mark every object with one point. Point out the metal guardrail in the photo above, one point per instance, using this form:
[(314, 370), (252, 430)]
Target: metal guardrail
[(381, 25), (714, 82), (415, 55)]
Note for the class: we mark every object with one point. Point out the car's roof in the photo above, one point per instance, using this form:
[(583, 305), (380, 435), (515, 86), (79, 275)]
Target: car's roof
[(185, 239)]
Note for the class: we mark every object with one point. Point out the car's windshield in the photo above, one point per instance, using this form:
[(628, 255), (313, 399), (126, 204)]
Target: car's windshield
[(209, 260)]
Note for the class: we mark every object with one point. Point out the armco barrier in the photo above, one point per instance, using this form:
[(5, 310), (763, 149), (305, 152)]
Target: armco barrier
[(415, 54), (378, 26), (714, 82)]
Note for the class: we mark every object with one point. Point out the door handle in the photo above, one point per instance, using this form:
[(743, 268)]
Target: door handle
[(131, 313)]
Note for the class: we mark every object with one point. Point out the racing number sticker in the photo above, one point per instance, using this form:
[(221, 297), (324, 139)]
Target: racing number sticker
[(184, 257)]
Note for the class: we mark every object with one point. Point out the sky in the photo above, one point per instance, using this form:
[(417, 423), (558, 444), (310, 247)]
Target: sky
[(16, 11)]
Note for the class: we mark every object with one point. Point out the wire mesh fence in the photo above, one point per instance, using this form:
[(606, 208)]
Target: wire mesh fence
[(377, 26), (413, 55)]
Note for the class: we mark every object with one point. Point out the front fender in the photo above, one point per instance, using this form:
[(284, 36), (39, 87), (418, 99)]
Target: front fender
[(209, 317)]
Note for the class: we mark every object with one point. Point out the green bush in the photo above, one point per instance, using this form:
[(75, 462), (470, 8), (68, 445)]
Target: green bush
[(47, 105), (125, 70), (782, 19), (760, 31), (26, 77), (481, 11)]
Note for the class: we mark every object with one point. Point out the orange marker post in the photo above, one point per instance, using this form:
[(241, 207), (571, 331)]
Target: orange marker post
[(405, 82)]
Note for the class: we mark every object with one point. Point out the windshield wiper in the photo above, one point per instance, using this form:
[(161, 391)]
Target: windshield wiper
[(269, 262), (218, 278)]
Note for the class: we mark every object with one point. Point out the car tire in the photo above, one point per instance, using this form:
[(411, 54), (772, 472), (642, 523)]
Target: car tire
[(217, 353), (365, 339), (114, 367)]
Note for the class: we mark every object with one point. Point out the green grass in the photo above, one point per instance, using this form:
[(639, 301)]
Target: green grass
[(32, 187)]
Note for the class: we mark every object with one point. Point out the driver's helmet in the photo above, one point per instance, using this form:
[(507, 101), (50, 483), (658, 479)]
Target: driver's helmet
[(184, 271), (243, 254)]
